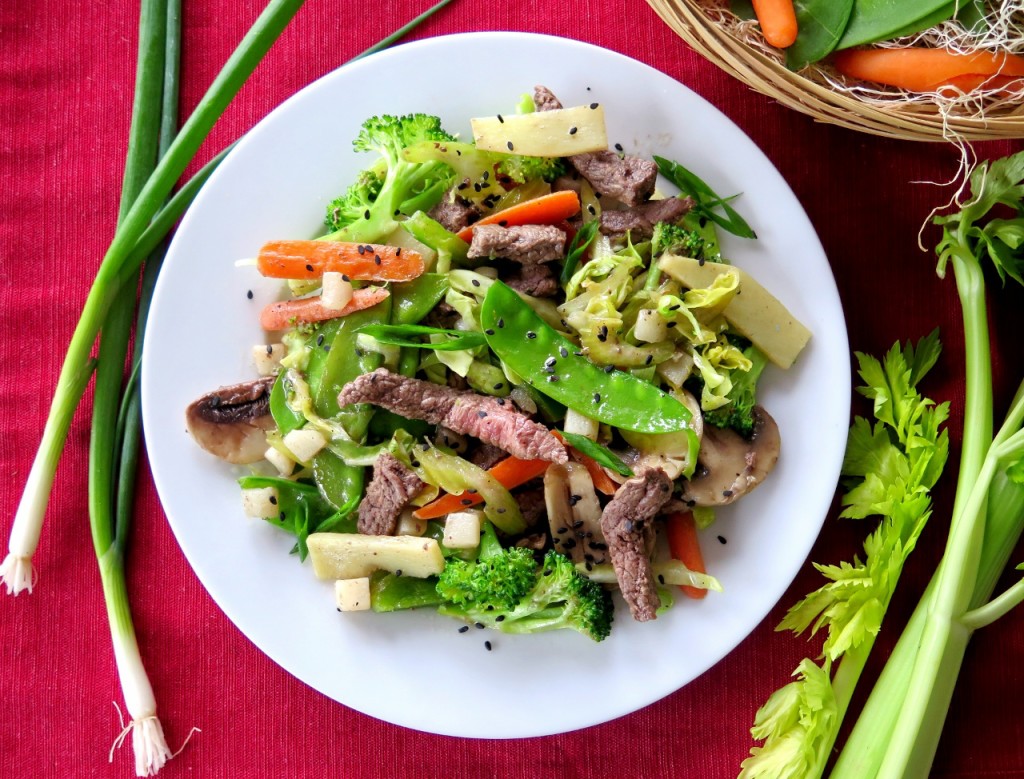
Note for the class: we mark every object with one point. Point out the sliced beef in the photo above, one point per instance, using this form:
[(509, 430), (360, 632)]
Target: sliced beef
[(544, 99), (392, 486), (454, 212), (626, 178), (639, 221), (493, 420), (525, 244), (537, 280), (628, 530)]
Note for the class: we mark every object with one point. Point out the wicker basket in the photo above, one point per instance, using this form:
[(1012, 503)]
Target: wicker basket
[(910, 121)]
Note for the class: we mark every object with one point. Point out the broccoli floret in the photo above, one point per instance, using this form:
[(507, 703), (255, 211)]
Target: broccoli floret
[(522, 169), (394, 185), (560, 598), (671, 237), (498, 578), (738, 413)]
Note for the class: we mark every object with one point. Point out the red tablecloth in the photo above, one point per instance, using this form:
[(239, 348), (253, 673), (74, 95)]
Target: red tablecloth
[(66, 79)]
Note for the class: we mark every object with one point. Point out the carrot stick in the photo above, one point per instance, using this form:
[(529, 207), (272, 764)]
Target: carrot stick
[(684, 546), (365, 261), (287, 313), (924, 70), (543, 210), (510, 472), (778, 22)]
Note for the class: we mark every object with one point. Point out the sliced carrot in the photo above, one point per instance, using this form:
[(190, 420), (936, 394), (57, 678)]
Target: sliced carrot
[(778, 22), (543, 210), (684, 546), (510, 472), (364, 261), (972, 81), (924, 70), (288, 313)]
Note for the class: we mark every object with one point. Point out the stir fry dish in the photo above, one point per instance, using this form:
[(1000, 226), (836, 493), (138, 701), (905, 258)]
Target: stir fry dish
[(514, 376)]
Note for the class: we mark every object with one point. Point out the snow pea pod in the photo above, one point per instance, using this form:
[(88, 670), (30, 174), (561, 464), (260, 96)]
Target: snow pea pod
[(555, 366), (413, 300), (336, 350)]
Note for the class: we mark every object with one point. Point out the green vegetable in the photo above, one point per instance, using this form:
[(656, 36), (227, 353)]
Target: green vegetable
[(525, 343), (405, 335), (303, 510), (706, 200), (336, 351), (988, 513), (285, 417), (367, 212), (339, 483), (677, 239), (391, 592), (561, 598), (413, 300), (600, 454), (879, 20), (498, 577), (577, 246), (889, 469), (821, 24), (449, 247), (456, 475), (738, 412)]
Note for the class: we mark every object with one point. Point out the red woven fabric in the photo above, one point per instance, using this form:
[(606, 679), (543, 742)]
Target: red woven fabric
[(66, 80)]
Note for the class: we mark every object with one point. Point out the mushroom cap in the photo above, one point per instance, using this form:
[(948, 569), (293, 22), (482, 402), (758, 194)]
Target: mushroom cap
[(730, 465), (231, 422)]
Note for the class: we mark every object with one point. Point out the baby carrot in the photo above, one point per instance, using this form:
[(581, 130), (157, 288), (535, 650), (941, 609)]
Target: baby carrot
[(364, 261), (926, 70), (287, 313), (778, 21)]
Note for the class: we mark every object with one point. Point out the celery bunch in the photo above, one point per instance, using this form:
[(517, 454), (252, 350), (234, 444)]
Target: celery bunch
[(898, 731)]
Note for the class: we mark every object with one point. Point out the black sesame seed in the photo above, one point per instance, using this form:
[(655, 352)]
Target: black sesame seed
[(530, 334), (398, 252), (466, 501), (501, 509), (593, 106), (481, 414), (572, 131), (309, 268), (366, 214), (464, 628), (721, 539), (609, 368), (478, 625), (270, 350), (362, 249), (344, 277), (591, 209), (552, 378), (500, 618), (475, 282), (661, 579), (649, 360), (501, 322), (249, 294), (489, 331), (281, 516), (670, 325), (549, 362), (501, 118), (726, 493), (499, 385), (501, 401), (414, 463), (618, 147), (579, 522), (510, 146), (562, 530), (398, 572), (273, 500), (563, 351), (700, 262), (597, 397), (376, 259), (487, 646)]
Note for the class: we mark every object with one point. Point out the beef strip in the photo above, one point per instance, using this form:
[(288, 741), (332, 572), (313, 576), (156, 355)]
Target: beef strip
[(544, 99), (626, 178), (486, 456), (525, 244), (454, 212), (530, 498), (537, 280), (392, 486), (493, 420), (639, 221), (628, 529)]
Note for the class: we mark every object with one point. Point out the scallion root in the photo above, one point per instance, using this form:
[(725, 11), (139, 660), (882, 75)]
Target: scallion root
[(18, 574), (148, 743)]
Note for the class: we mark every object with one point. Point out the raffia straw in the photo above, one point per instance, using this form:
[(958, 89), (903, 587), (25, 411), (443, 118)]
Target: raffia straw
[(822, 98)]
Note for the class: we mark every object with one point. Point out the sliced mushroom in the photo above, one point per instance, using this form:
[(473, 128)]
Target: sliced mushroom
[(730, 465), (231, 422), (574, 513)]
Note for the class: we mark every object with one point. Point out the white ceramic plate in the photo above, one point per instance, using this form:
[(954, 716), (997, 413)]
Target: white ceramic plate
[(415, 669)]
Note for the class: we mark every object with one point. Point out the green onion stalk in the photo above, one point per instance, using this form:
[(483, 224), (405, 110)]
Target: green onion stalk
[(144, 225), (897, 733)]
